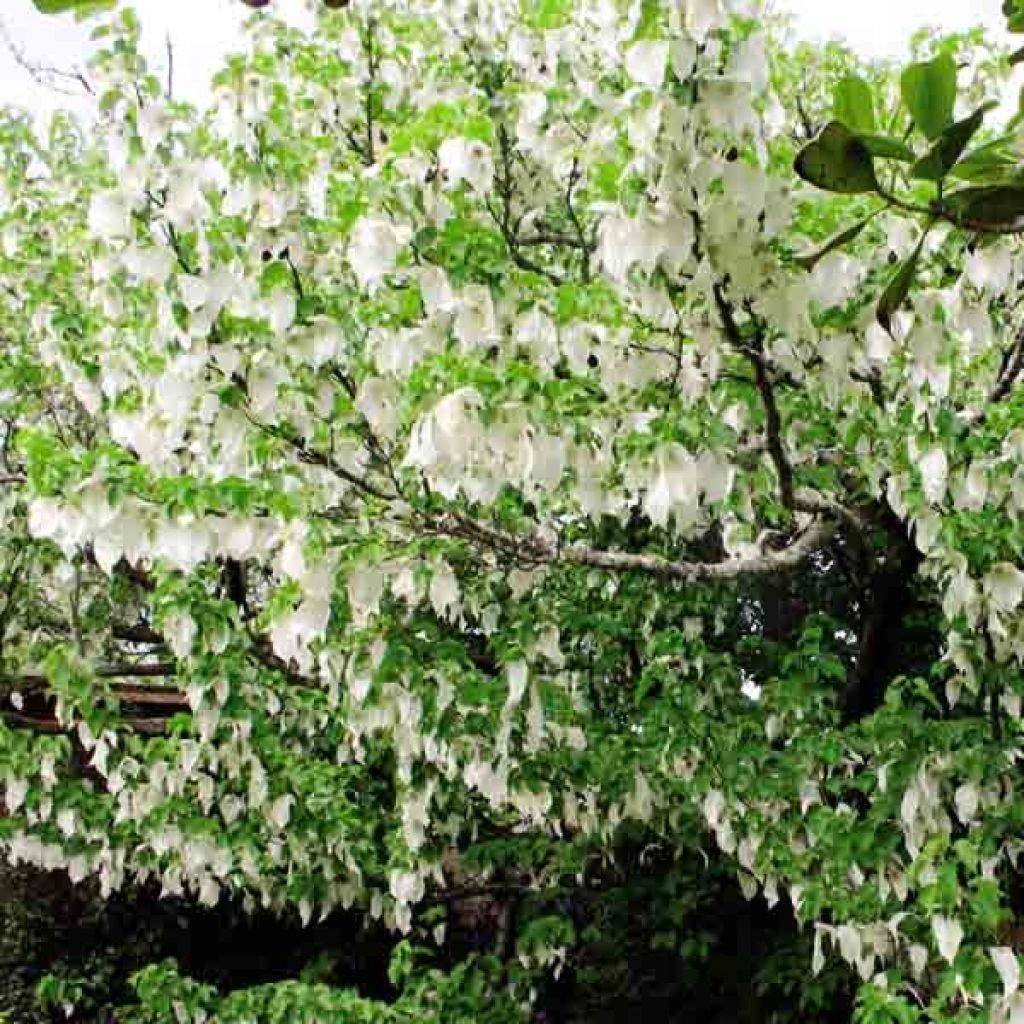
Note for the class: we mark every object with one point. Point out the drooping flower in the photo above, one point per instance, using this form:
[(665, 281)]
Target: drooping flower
[(646, 61), (110, 215), (373, 250), (1004, 584), (465, 160), (948, 934), (934, 468)]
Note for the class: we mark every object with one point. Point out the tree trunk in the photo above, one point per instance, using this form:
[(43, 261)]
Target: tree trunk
[(887, 599)]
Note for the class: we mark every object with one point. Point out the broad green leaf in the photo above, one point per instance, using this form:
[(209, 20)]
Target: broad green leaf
[(80, 7), (949, 146), (898, 288), (929, 93), (989, 206), (837, 161), (1013, 11), (887, 147), (990, 163), (854, 105), (837, 241)]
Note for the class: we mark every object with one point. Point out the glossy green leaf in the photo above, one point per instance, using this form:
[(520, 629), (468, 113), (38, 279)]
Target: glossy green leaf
[(887, 147), (79, 7), (898, 288), (949, 146), (989, 206), (929, 93), (991, 163), (837, 161), (854, 105), (837, 241)]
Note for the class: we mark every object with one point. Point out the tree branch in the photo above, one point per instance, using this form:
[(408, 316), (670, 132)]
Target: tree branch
[(34, 681), (1010, 371), (143, 726), (766, 389), (43, 74), (169, 92), (539, 551), (503, 179), (368, 94), (311, 457)]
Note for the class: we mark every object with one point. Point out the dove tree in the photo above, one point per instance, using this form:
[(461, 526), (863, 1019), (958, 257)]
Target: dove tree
[(406, 460)]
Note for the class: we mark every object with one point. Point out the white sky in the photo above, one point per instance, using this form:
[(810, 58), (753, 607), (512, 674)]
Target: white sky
[(203, 30)]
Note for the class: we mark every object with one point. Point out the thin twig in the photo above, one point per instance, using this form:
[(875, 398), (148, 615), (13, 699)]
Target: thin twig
[(170, 67), (43, 74), (368, 92), (315, 458)]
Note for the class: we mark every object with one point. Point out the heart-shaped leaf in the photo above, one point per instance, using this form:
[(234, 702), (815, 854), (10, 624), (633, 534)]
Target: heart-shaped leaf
[(929, 93), (949, 146), (810, 260), (854, 105), (898, 288), (837, 161)]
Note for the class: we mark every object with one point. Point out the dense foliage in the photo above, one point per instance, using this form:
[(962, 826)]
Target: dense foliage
[(500, 458)]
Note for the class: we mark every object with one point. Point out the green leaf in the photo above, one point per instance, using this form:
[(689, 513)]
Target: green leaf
[(887, 148), (929, 93), (898, 288), (837, 161), (82, 8), (275, 275), (854, 105), (837, 241), (1013, 11), (949, 146), (989, 206), (989, 163)]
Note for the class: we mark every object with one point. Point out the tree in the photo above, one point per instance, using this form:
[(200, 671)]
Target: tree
[(469, 453)]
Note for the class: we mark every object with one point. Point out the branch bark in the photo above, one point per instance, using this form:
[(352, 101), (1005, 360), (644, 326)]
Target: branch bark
[(538, 550), (773, 421), (887, 600), (143, 726), (32, 682)]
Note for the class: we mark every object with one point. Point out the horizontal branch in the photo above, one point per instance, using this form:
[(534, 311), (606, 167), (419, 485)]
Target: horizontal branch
[(50, 725), (139, 633), (154, 695), (540, 551), (35, 681), (551, 237)]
